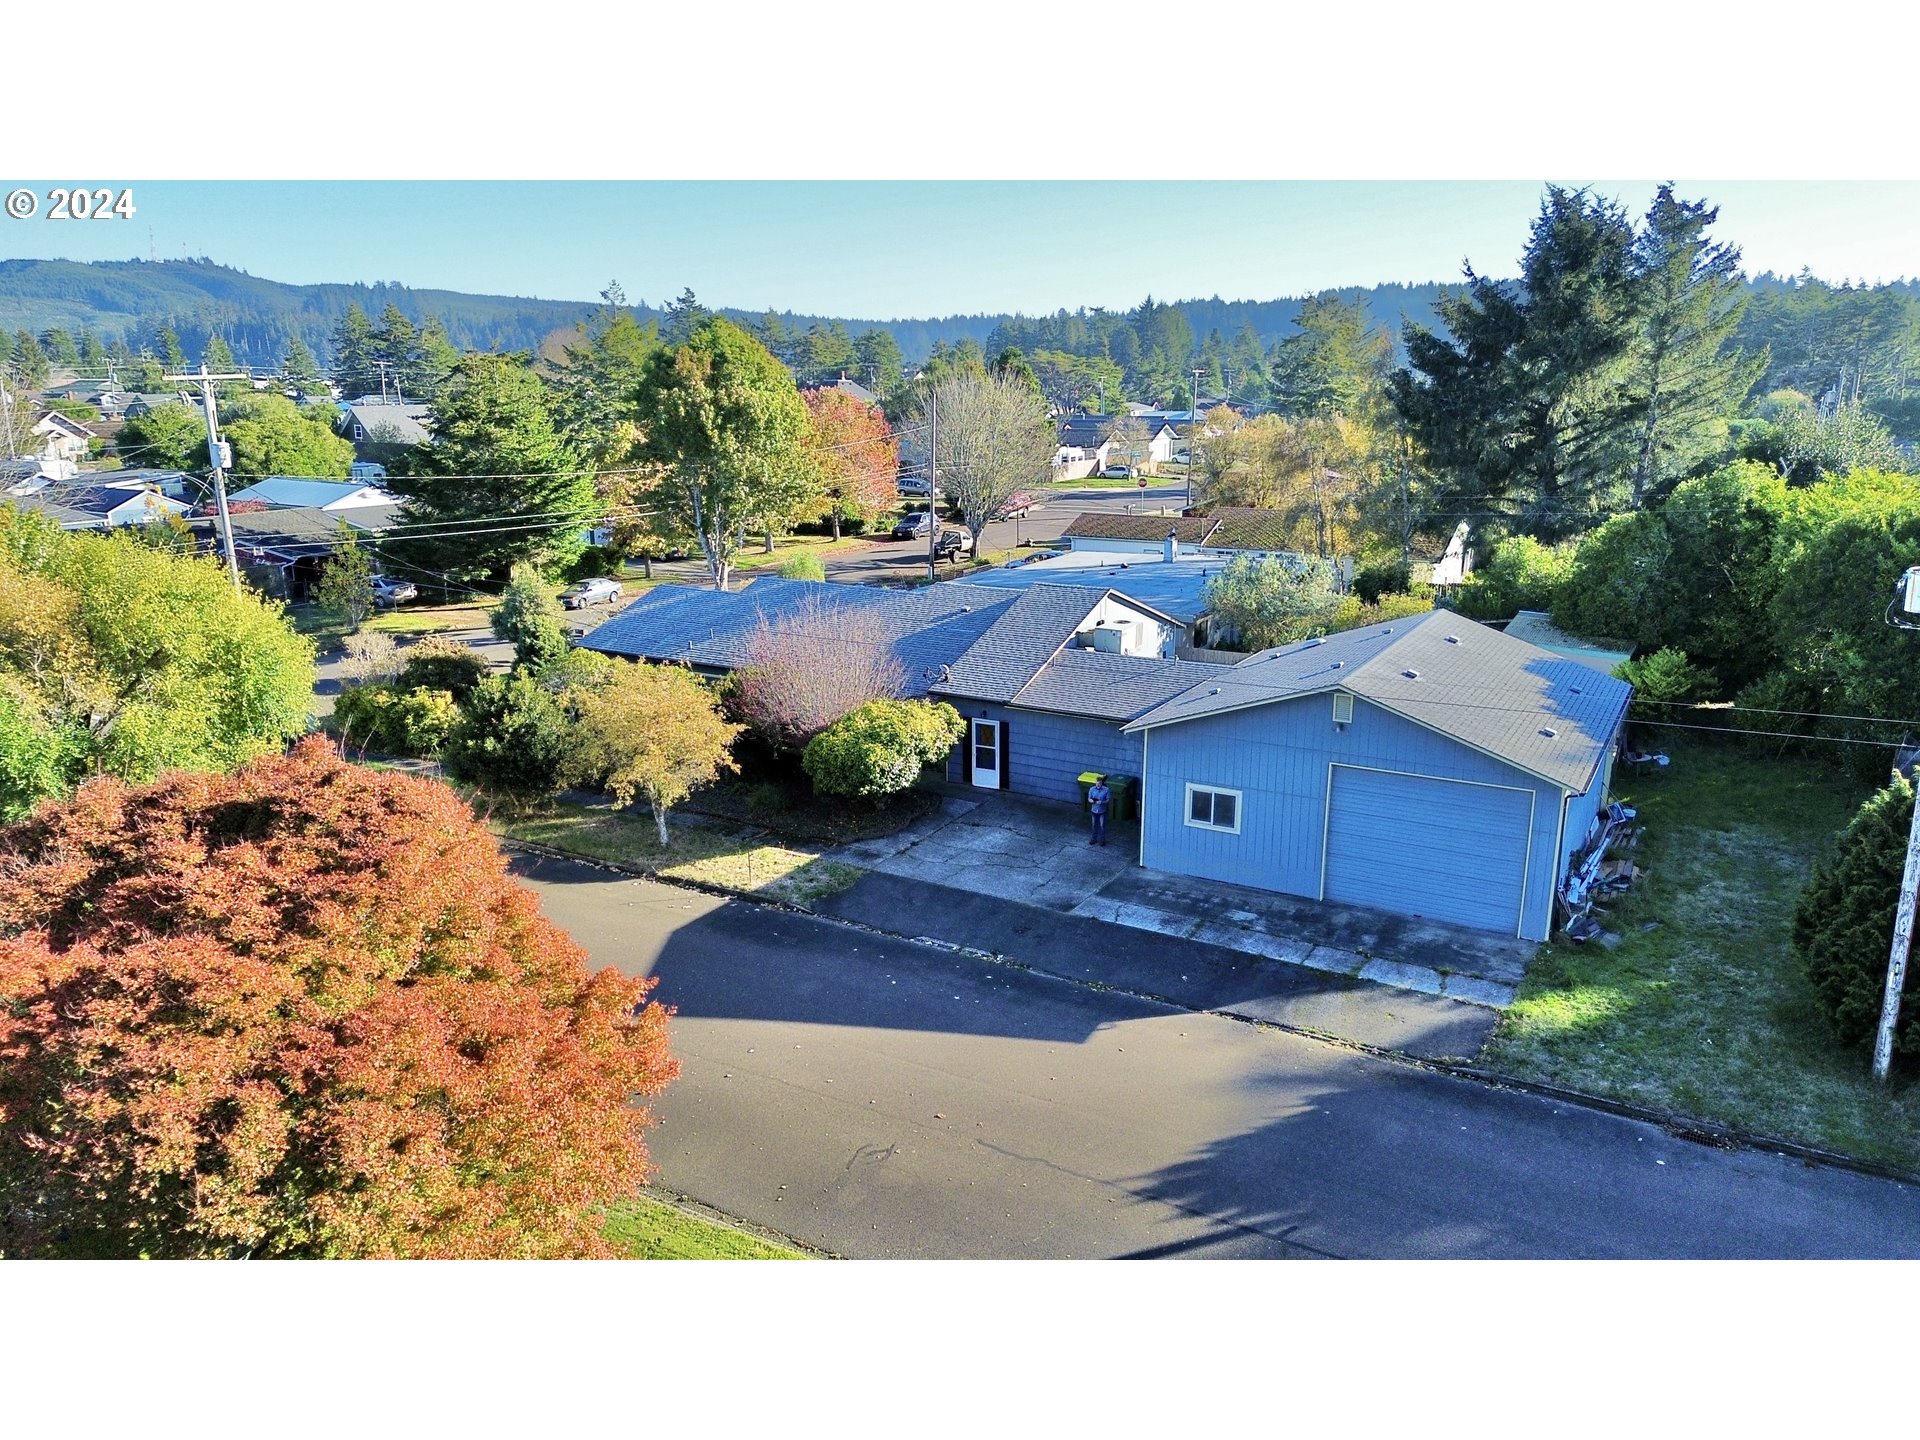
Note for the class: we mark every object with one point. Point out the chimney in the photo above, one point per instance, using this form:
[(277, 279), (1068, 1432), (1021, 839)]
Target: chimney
[(1170, 547)]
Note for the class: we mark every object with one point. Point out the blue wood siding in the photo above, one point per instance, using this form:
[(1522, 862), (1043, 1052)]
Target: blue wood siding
[(1474, 874), (1046, 752), (1279, 757)]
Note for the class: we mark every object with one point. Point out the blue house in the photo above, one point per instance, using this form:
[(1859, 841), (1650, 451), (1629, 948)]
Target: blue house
[(1430, 767)]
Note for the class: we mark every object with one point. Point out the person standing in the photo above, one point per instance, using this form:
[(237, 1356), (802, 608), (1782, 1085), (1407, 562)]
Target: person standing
[(1097, 797)]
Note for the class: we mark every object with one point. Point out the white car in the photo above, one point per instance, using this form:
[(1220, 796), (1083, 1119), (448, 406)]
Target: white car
[(389, 591), (590, 592)]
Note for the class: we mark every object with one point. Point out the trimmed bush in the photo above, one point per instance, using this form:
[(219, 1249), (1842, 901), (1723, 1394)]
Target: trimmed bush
[(511, 739), (1843, 924), (881, 748), (802, 567), (437, 663)]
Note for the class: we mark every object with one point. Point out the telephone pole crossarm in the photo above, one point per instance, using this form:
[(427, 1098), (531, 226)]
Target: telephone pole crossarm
[(217, 460)]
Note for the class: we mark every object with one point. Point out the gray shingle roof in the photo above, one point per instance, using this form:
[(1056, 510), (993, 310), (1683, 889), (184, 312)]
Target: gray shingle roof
[(393, 424), (928, 630), (1108, 687), (1019, 642), (1089, 432), (1187, 529), (1539, 712)]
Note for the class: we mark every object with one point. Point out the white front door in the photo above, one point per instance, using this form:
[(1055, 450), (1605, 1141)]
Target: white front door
[(986, 753)]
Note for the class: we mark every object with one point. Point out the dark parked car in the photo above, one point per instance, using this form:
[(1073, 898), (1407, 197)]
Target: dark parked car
[(914, 526)]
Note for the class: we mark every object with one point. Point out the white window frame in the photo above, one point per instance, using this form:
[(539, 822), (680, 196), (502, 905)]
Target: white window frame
[(1239, 809), (1342, 702)]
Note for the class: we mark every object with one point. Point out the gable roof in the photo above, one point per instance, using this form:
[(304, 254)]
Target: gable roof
[(1104, 686), (1176, 590), (1187, 529), (1089, 432), (1027, 634), (306, 530), (406, 423), (1536, 628), (1243, 527), (295, 491), (1551, 717), (78, 504), (54, 420), (927, 630)]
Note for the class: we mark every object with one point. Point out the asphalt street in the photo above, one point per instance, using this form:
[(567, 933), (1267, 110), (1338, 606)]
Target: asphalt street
[(875, 1097)]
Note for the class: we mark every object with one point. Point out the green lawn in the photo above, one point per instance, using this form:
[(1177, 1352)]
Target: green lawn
[(729, 857), (786, 547), (432, 619), (1701, 1008), (646, 1228)]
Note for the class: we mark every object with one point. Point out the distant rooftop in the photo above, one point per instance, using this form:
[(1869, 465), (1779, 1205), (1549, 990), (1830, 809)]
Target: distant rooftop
[(1536, 628)]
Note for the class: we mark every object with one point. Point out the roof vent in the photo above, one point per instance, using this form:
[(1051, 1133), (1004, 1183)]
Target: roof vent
[(1576, 689), (1548, 733), (1411, 674), (1214, 691), (1337, 664), (1453, 639), (1316, 640)]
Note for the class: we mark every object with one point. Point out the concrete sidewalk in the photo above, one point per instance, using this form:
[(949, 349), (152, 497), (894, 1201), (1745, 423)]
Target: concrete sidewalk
[(1195, 973)]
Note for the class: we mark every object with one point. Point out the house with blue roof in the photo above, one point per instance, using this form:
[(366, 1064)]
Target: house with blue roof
[(294, 492), (1431, 767)]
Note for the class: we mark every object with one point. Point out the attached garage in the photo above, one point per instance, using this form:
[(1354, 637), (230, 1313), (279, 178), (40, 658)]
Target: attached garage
[(1451, 850)]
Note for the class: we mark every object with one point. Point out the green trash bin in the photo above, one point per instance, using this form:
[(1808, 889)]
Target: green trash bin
[(1121, 807)]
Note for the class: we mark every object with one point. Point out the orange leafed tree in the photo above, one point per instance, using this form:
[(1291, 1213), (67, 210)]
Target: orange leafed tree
[(302, 1010), (859, 458)]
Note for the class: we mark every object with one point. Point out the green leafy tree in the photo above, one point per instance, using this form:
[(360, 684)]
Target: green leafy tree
[(596, 382), (1843, 924), (881, 748), (392, 719), (804, 566), (498, 473), (1809, 447), (271, 435), (133, 660), (725, 424), (1620, 581), (511, 740), (1271, 602), (1686, 379), (1521, 574), (649, 731), (529, 619), (994, 440), (218, 355), (346, 583), (167, 437)]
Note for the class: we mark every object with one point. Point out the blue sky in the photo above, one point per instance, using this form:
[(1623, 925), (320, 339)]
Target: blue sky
[(879, 250)]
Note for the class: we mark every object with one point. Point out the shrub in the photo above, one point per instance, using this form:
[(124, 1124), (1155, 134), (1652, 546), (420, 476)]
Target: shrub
[(1522, 574), (803, 566), (303, 1011), (809, 667), (881, 748), (1384, 577), (1660, 680), (529, 619), (595, 562), (437, 663), (511, 740), (370, 655), (393, 721), (1271, 602), (1843, 923), (766, 798)]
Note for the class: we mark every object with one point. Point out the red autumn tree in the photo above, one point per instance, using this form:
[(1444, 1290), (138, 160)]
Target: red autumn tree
[(302, 1010), (858, 456)]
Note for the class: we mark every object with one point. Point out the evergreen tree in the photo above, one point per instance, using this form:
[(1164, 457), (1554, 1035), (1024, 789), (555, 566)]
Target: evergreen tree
[(394, 350), (684, 316), (299, 367), (881, 365), (1520, 404), (595, 384), (434, 357), (1337, 364), (499, 466), (59, 348), (166, 346), (218, 356), (93, 355), (1685, 381), (29, 361), (354, 367)]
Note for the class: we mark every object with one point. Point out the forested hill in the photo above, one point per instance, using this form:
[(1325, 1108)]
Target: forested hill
[(129, 300)]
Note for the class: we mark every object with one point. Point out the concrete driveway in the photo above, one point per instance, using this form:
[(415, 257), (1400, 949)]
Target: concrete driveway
[(1035, 852)]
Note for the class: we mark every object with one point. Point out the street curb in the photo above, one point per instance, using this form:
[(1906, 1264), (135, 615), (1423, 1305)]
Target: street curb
[(1683, 1127), (699, 1209)]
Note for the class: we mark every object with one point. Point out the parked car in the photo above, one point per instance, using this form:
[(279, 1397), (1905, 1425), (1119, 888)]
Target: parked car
[(1029, 559), (914, 526), (952, 544), (1015, 506), (1119, 472), (389, 591), (918, 485), (590, 592)]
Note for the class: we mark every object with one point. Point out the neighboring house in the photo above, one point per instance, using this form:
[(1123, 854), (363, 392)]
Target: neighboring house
[(850, 387), (333, 496), (63, 439), (29, 474), (284, 550), (1534, 627), (93, 502), (1136, 534), (1220, 534), (1433, 767), (378, 428), (1176, 588), (1084, 438), (1453, 567), (144, 404)]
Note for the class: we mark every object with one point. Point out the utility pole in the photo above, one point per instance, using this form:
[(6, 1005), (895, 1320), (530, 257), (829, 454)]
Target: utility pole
[(1193, 430), (1906, 597), (933, 481), (218, 458)]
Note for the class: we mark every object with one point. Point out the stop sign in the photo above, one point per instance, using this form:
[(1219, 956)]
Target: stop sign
[(1143, 482)]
